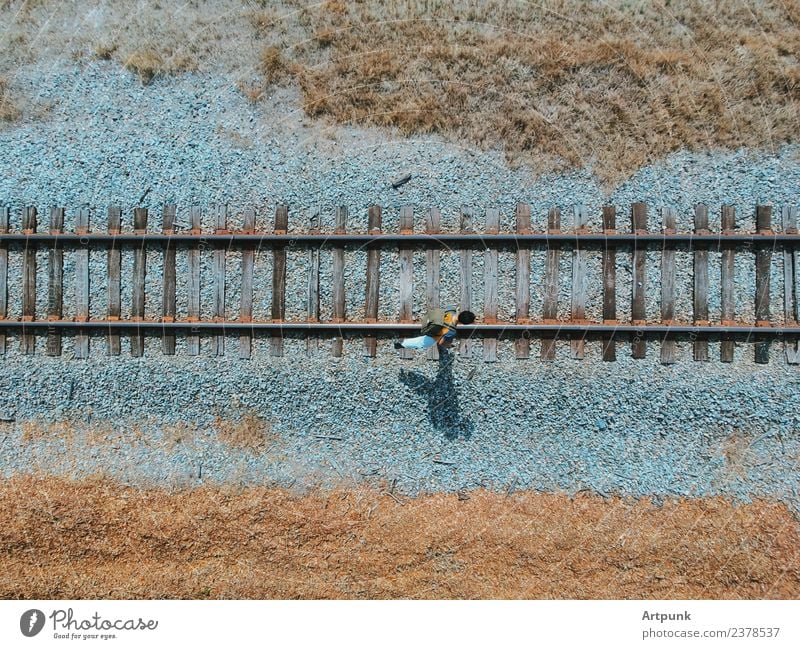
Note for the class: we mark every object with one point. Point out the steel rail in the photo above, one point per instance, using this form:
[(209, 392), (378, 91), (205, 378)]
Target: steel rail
[(288, 240), (395, 327)]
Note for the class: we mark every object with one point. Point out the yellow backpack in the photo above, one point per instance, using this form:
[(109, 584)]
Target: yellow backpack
[(435, 323)]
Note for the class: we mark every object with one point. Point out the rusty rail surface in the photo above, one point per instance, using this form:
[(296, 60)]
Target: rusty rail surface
[(366, 328), (270, 239)]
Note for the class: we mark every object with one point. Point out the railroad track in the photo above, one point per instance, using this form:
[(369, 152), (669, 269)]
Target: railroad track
[(481, 338)]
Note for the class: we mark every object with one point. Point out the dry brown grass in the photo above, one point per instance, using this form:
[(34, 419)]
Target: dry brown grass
[(263, 21), (250, 432), (560, 83), (145, 63), (149, 62), (273, 65), (104, 51), (254, 92), (9, 112), (151, 38), (97, 539)]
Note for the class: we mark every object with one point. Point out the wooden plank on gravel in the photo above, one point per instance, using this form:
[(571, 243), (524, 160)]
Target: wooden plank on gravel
[(248, 265), (168, 300), (193, 257), (372, 292), (139, 267), (791, 309), (55, 281), (727, 304), (114, 278), (28, 340), (218, 271), (406, 256), (432, 266), (550, 301), (579, 279), (312, 299), (763, 263), (279, 279), (465, 296), (609, 262), (700, 294), (522, 345), (490, 298), (82, 284), (668, 346), (339, 313), (4, 214), (639, 283)]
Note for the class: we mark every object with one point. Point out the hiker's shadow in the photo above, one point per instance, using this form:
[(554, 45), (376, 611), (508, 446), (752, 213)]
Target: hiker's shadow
[(442, 399)]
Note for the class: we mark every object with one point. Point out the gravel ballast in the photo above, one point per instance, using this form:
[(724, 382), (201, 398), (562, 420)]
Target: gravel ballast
[(630, 427)]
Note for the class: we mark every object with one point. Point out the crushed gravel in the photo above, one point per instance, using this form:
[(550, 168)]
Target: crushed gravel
[(631, 427)]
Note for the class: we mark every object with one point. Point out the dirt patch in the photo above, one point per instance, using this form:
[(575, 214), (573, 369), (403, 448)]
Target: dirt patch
[(98, 539), (246, 431), (179, 435), (37, 430), (250, 432)]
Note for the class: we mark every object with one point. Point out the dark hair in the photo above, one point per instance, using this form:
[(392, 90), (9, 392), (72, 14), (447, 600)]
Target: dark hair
[(466, 317)]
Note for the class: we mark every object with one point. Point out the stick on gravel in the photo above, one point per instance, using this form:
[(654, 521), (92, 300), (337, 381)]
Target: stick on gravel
[(400, 181)]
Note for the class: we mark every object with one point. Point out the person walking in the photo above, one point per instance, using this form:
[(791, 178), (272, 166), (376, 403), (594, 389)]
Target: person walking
[(438, 328)]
